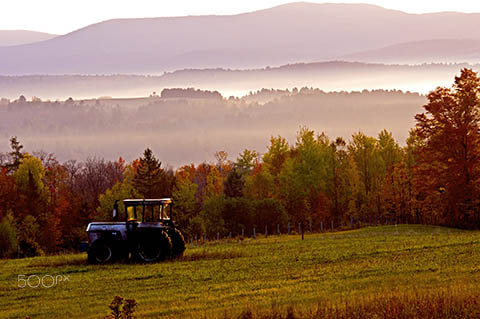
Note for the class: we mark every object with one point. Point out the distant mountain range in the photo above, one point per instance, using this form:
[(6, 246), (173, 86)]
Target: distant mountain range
[(18, 37), (296, 32)]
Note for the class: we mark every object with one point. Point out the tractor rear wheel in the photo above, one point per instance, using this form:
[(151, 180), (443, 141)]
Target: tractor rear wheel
[(101, 252), (153, 246), (178, 242)]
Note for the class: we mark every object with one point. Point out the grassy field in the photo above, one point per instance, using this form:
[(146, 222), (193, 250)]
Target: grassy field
[(223, 279)]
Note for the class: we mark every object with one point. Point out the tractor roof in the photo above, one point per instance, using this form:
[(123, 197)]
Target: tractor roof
[(134, 202)]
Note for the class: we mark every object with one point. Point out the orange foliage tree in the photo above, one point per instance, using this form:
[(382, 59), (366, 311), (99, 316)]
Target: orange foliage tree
[(448, 170)]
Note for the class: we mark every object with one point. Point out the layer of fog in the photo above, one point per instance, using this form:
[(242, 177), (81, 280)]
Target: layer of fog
[(181, 131)]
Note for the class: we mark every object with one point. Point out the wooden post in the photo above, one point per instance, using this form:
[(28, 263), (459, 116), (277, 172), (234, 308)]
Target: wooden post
[(204, 238), (266, 231), (299, 228), (254, 233), (218, 236), (243, 232), (278, 229), (332, 225), (321, 226), (310, 226), (288, 228), (230, 235), (351, 222)]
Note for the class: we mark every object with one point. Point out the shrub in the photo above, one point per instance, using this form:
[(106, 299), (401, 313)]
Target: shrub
[(121, 308), (8, 237)]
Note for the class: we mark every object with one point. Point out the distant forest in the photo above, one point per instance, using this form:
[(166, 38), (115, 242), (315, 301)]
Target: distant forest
[(330, 76), (190, 126)]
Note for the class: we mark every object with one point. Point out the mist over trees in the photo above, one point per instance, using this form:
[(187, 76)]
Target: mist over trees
[(185, 129)]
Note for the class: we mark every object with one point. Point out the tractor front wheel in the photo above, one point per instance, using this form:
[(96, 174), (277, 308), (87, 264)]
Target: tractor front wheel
[(100, 252)]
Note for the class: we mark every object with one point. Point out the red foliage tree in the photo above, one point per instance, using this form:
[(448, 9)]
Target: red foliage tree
[(448, 171)]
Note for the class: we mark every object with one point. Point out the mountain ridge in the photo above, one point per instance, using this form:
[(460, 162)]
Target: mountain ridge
[(440, 50), (314, 32), (20, 37)]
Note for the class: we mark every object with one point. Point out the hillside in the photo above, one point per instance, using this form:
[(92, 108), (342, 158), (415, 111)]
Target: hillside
[(224, 278), (18, 37), (315, 32), (440, 50)]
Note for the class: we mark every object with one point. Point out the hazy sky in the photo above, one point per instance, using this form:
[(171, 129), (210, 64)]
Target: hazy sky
[(63, 16)]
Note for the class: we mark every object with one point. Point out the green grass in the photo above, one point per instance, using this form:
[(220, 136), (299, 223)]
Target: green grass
[(228, 277)]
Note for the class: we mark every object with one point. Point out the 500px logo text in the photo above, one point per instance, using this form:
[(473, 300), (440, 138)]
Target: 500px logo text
[(46, 281)]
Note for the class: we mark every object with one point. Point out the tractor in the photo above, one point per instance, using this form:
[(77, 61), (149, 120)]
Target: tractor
[(148, 233)]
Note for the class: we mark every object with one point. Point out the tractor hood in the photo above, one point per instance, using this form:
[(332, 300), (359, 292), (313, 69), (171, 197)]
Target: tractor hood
[(106, 226)]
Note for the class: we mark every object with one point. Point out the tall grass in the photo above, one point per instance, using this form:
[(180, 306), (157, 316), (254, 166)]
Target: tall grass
[(439, 303)]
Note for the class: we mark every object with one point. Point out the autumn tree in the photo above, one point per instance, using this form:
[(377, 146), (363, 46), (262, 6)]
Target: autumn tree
[(342, 183), (448, 172), (246, 161), (370, 166), (234, 184), (16, 154), (121, 190), (151, 180), (29, 180), (7, 192), (186, 207)]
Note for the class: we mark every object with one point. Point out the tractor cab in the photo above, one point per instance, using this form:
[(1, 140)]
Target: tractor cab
[(146, 211)]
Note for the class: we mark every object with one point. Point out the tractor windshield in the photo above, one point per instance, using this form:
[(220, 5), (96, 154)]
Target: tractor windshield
[(152, 213), (147, 210)]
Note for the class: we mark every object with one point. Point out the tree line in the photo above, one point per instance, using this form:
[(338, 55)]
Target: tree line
[(434, 179)]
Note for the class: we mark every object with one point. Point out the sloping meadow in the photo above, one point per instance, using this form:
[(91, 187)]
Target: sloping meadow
[(359, 269)]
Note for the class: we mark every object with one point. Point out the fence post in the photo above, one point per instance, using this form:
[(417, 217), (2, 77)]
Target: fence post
[(332, 225), (299, 228), (278, 229), (310, 226), (243, 232), (254, 233), (289, 228), (218, 236), (196, 239), (266, 231), (321, 226), (351, 222), (230, 235)]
